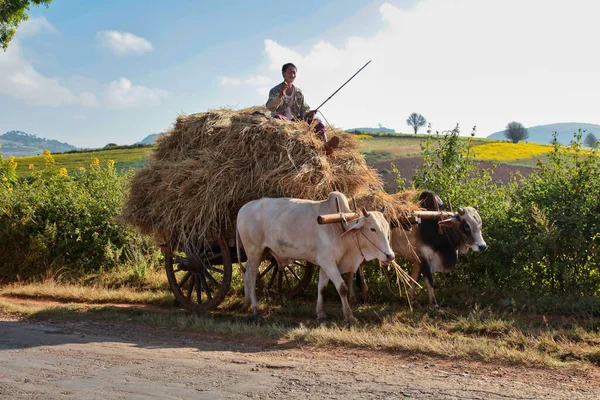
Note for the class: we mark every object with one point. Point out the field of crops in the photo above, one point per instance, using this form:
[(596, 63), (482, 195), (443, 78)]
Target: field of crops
[(375, 148), (123, 158)]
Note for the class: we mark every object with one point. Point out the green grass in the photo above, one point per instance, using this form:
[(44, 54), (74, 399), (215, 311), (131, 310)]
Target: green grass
[(387, 148), (123, 158)]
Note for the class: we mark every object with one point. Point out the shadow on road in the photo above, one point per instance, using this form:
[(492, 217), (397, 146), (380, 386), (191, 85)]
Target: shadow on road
[(139, 327)]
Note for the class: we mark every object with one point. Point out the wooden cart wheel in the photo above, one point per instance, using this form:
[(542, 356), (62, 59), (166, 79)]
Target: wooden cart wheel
[(200, 281), (289, 282)]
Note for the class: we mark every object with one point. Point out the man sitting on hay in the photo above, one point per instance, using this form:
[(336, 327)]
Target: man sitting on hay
[(286, 102)]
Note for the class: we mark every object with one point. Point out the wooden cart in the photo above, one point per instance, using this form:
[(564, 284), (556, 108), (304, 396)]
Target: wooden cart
[(201, 279)]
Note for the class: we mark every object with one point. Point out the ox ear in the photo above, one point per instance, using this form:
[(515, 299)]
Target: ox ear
[(356, 227), (365, 212), (476, 208), (461, 211)]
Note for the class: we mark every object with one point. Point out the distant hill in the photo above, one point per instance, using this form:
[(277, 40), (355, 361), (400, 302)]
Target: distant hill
[(543, 133), (17, 143), (150, 139), (381, 129)]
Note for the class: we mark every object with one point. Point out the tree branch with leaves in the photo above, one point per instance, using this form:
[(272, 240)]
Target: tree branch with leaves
[(12, 13)]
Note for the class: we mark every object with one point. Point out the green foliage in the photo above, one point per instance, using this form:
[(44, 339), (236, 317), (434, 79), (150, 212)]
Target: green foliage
[(61, 223), (12, 13), (449, 169), (542, 231), (556, 214), (8, 173)]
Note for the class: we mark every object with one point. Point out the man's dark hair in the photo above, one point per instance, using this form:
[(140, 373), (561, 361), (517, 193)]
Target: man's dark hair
[(286, 66)]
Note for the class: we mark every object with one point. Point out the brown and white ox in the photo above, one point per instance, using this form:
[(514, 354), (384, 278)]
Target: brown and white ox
[(432, 245), (287, 229)]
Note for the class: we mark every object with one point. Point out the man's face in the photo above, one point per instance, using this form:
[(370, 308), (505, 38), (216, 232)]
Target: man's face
[(289, 75)]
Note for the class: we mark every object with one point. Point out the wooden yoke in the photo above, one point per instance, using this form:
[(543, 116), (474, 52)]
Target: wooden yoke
[(433, 214), (414, 217), (340, 217)]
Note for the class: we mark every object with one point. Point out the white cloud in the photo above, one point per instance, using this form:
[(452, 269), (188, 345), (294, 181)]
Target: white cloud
[(19, 79), (80, 117), (123, 43), (257, 80), (122, 94), (226, 81), (34, 26), (252, 80), (473, 62)]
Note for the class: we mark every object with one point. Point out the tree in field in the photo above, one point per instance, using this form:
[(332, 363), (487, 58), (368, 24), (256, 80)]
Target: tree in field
[(12, 13), (591, 140), (416, 121), (515, 131)]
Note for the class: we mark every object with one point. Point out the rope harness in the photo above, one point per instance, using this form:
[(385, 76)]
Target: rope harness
[(455, 236), (344, 229)]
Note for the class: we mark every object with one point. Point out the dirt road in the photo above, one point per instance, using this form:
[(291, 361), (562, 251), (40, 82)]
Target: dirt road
[(77, 360)]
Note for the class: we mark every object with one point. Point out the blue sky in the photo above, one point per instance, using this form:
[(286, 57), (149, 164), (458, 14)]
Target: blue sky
[(90, 73)]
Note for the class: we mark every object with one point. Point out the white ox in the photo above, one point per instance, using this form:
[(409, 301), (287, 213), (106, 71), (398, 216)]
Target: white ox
[(287, 229)]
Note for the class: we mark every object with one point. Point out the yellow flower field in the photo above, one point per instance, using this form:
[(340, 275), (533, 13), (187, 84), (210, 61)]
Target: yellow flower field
[(504, 151)]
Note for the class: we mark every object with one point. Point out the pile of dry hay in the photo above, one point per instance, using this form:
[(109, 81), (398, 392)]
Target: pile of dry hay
[(210, 164)]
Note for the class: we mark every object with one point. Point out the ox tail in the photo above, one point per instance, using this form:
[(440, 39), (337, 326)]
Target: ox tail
[(238, 247)]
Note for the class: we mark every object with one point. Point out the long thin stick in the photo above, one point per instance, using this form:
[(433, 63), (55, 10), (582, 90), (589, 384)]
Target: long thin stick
[(342, 85)]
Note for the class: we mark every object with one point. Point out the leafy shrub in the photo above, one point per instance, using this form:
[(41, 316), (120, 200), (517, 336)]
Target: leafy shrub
[(557, 216), (542, 231), (8, 173), (57, 223)]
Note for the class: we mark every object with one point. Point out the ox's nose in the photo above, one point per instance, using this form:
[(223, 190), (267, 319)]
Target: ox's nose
[(390, 257), (482, 247)]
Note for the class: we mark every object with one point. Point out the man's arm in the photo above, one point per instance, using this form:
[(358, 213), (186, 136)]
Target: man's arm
[(275, 98)]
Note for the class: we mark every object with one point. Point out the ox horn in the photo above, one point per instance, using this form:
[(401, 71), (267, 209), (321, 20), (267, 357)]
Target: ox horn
[(365, 212), (382, 209), (476, 208), (461, 211)]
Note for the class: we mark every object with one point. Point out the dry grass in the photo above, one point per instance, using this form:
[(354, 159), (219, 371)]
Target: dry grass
[(88, 294), (477, 335), (210, 164)]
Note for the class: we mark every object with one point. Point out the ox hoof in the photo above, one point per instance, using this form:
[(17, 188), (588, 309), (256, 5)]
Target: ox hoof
[(434, 306), (245, 307), (322, 320)]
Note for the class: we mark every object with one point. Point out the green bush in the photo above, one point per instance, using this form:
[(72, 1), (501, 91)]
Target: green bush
[(542, 231), (56, 223), (557, 216), (8, 173)]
